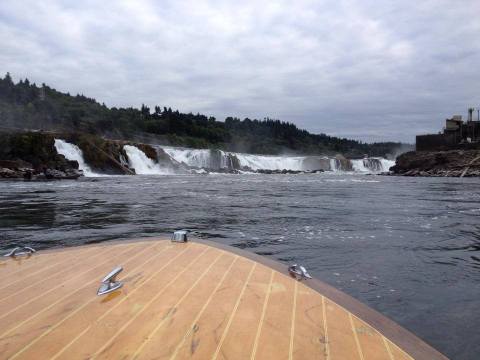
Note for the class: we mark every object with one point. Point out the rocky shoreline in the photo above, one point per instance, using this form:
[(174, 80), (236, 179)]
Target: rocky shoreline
[(32, 156), (453, 163)]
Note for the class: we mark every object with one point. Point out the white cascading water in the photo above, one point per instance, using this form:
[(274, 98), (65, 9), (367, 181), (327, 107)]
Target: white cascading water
[(262, 162), (217, 159), (387, 164), (141, 163), (371, 165), (192, 157), (74, 153), (334, 166), (359, 166)]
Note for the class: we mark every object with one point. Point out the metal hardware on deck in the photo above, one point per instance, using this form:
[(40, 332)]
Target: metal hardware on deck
[(109, 284), (299, 272), (179, 236), (20, 251)]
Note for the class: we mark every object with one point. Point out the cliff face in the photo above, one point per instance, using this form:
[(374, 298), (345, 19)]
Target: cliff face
[(107, 156), (32, 155), (457, 163)]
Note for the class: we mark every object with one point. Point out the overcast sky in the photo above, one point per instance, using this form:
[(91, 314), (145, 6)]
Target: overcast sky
[(365, 69)]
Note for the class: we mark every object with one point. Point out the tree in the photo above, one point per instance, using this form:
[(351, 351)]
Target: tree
[(8, 79)]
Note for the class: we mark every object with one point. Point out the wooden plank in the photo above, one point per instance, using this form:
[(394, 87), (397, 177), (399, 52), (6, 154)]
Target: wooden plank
[(309, 335), (47, 311), (238, 337), (15, 270), (204, 333), (371, 341), (15, 312), (163, 342), (397, 353), (58, 340), (37, 282), (13, 267), (180, 301), (102, 330), (274, 339), (340, 339), (133, 331)]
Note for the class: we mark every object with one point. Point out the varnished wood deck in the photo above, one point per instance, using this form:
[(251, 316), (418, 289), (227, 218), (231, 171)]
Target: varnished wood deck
[(180, 301)]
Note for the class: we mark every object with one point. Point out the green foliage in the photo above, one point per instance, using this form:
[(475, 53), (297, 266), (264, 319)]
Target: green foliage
[(34, 147), (27, 106)]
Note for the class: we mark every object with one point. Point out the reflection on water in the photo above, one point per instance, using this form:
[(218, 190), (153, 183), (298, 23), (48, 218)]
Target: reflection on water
[(409, 247)]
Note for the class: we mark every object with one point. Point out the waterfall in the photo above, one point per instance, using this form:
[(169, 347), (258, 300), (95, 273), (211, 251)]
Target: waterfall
[(202, 158), (359, 166), (225, 161), (262, 162), (372, 165), (221, 160), (74, 153), (190, 157), (387, 164), (334, 165), (141, 163)]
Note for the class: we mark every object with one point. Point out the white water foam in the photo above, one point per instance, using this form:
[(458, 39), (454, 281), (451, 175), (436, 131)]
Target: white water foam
[(74, 153), (387, 164), (359, 166), (217, 159), (371, 165), (334, 165), (142, 164), (263, 162), (192, 157)]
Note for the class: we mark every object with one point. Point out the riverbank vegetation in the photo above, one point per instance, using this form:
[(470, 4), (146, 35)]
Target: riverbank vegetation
[(25, 105)]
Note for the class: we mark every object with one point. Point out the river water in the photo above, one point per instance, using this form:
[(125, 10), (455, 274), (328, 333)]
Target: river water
[(407, 247)]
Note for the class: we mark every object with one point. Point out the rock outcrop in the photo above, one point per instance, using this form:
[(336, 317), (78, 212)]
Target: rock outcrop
[(32, 156), (456, 163), (107, 156)]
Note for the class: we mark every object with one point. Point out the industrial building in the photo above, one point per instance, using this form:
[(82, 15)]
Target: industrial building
[(457, 134)]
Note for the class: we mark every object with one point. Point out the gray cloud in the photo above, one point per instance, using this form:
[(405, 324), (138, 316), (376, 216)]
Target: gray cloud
[(358, 68)]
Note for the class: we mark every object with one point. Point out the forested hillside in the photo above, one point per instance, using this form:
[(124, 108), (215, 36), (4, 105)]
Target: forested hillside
[(25, 105)]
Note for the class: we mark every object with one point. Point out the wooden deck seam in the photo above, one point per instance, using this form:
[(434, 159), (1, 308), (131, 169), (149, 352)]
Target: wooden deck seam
[(43, 294), (374, 328), (388, 347), (204, 307), (348, 312), (33, 260), (325, 328), (152, 333), (73, 312), (357, 342), (37, 272), (125, 298), (401, 350), (234, 310), (106, 344), (48, 277), (292, 326), (262, 317)]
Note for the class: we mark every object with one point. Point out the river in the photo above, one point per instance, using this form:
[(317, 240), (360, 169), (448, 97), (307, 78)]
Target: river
[(407, 247)]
